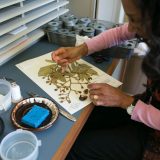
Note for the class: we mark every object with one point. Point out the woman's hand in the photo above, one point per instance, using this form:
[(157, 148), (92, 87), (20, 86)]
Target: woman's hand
[(66, 55), (103, 94)]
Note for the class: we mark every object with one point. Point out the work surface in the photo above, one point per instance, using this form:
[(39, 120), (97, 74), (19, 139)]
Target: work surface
[(54, 137)]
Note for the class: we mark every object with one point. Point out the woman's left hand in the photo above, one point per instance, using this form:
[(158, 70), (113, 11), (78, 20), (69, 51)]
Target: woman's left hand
[(103, 94)]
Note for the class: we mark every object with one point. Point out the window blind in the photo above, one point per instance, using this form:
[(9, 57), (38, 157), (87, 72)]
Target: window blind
[(21, 22)]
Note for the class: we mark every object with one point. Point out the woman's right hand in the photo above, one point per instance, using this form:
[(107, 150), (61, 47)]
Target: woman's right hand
[(64, 56)]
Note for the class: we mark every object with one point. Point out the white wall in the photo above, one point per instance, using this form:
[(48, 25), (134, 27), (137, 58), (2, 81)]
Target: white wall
[(108, 10), (82, 8)]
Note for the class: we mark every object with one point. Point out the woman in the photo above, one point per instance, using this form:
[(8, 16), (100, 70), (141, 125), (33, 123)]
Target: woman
[(111, 133)]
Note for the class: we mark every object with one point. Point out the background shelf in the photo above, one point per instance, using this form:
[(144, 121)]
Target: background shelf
[(6, 3), (33, 14)]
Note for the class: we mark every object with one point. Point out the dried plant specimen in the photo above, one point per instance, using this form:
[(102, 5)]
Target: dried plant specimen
[(76, 74)]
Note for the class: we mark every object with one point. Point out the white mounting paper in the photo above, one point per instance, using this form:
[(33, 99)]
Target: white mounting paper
[(31, 68)]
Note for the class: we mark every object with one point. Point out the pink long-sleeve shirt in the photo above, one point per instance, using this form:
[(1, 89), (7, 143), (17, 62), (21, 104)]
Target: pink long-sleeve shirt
[(142, 112)]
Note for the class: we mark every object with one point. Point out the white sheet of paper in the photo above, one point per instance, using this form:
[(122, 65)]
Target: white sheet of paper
[(31, 68)]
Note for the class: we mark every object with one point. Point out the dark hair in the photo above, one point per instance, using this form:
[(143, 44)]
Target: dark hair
[(150, 10), (151, 64)]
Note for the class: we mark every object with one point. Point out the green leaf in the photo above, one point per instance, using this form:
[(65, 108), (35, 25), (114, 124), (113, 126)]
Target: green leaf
[(54, 81), (81, 77), (92, 72), (86, 77), (50, 61), (59, 76), (45, 71), (84, 66)]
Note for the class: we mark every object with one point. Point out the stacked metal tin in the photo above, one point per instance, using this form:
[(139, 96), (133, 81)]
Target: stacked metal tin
[(63, 30)]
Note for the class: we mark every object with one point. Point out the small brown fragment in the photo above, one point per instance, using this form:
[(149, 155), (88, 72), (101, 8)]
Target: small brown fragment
[(85, 91), (83, 97)]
